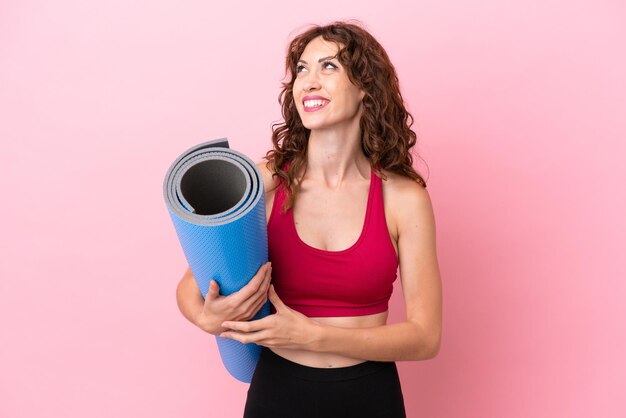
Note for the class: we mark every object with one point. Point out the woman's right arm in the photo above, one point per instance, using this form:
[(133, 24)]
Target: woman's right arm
[(208, 314)]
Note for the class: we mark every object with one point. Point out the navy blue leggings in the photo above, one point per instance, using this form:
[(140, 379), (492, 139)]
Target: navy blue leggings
[(281, 388)]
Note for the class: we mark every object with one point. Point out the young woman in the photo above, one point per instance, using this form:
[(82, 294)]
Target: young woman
[(345, 210)]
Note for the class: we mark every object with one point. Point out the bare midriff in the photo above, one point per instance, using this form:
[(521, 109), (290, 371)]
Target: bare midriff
[(331, 360)]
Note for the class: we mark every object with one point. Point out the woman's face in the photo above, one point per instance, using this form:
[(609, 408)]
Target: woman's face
[(322, 92)]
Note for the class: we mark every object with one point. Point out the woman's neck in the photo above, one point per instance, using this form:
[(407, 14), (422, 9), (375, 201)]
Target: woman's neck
[(335, 156)]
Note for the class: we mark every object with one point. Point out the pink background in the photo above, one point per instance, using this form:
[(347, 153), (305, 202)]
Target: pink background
[(521, 112)]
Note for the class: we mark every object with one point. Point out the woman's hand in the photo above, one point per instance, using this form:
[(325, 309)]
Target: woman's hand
[(285, 329), (238, 306)]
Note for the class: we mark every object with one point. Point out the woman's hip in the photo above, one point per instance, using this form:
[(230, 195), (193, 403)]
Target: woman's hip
[(281, 387)]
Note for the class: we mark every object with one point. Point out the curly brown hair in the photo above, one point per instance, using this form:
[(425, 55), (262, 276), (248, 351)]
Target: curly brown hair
[(386, 135)]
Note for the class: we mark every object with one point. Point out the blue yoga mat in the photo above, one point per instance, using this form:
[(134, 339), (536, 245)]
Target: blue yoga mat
[(215, 197)]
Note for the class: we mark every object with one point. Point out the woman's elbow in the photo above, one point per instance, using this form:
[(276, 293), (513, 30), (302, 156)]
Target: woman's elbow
[(434, 348), (428, 345), (426, 352), (435, 342), (432, 345)]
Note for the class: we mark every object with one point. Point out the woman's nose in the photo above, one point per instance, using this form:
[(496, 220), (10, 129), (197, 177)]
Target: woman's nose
[(311, 82)]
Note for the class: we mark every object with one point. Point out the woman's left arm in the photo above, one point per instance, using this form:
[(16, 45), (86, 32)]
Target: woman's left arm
[(417, 338)]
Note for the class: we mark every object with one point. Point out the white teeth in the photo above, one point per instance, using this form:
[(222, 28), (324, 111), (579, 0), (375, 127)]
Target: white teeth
[(314, 103)]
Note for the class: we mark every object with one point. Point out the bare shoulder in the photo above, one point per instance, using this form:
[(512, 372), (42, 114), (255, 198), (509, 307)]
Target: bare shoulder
[(404, 191), (406, 200), (268, 180)]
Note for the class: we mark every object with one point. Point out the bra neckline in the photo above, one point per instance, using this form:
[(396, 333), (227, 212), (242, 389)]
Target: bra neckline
[(368, 210)]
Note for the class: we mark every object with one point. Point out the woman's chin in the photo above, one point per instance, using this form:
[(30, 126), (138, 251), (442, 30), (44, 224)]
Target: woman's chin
[(313, 126)]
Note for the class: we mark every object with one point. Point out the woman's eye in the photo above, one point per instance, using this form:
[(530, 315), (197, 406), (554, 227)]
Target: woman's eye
[(329, 65), (299, 68)]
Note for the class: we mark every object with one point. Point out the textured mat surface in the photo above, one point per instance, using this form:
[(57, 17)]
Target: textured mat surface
[(216, 200)]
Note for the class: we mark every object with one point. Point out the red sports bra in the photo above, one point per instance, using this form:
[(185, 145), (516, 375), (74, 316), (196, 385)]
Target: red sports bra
[(320, 283)]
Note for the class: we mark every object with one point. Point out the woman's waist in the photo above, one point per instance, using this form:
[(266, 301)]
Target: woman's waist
[(332, 360), (314, 359), (278, 365)]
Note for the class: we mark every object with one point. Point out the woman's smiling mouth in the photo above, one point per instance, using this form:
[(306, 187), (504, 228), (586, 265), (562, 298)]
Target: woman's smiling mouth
[(314, 103)]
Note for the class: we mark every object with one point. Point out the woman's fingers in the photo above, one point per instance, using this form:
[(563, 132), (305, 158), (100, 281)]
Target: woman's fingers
[(243, 304), (240, 306), (261, 296), (212, 294), (266, 283), (259, 290), (269, 271), (257, 306), (214, 291), (249, 326), (255, 303), (260, 337), (251, 289), (273, 297)]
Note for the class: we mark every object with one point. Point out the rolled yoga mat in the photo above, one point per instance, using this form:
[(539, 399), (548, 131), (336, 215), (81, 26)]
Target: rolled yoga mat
[(215, 197)]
